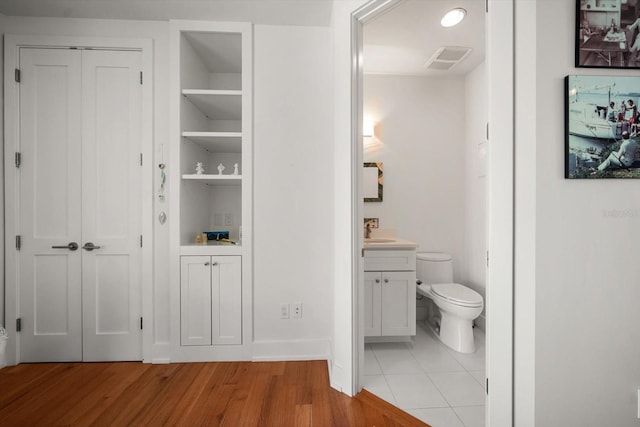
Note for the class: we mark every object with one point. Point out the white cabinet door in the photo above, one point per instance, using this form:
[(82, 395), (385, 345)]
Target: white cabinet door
[(195, 300), (226, 299), (398, 303), (372, 304), (211, 300)]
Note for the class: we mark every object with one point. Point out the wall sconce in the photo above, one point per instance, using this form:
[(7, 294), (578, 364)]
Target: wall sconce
[(367, 128)]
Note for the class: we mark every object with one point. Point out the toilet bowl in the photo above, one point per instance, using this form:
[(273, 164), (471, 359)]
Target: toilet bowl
[(459, 306)]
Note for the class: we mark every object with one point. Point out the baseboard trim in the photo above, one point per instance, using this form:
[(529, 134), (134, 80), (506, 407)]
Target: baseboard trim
[(291, 350)]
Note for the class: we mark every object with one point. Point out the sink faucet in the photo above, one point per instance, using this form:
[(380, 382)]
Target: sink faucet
[(367, 231)]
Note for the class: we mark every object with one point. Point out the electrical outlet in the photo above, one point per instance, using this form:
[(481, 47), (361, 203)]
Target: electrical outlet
[(284, 311), (297, 310), (228, 219)]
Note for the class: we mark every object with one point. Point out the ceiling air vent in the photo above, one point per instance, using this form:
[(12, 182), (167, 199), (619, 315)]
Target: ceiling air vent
[(447, 57)]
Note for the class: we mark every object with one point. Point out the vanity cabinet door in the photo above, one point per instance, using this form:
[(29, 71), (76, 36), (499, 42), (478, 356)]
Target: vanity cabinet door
[(372, 304), (398, 297), (195, 300)]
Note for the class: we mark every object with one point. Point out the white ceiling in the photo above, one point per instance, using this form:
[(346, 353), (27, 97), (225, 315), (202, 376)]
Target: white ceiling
[(402, 40), (398, 42)]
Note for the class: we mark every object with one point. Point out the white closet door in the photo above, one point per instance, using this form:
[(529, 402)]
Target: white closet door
[(50, 205), (111, 217)]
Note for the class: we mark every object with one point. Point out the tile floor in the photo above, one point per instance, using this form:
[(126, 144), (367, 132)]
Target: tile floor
[(428, 380)]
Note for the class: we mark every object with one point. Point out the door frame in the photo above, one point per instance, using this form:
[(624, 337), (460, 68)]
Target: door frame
[(500, 203), (12, 45)]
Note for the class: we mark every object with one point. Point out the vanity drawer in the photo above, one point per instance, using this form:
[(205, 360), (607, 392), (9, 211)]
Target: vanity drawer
[(389, 260)]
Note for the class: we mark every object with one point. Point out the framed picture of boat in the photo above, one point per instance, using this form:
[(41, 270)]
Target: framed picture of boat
[(607, 34), (602, 122)]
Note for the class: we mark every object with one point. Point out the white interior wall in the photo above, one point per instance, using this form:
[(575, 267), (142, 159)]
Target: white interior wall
[(293, 189), (476, 117), (420, 138), (587, 291)]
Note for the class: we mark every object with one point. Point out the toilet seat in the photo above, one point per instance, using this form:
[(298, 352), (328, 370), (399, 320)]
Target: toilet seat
[(457, 294)]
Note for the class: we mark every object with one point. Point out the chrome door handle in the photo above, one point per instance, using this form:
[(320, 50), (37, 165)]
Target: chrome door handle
[(90, 246), (72, 246)]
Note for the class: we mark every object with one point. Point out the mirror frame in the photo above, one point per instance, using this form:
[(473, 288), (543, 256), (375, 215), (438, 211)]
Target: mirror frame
[(377, 165)]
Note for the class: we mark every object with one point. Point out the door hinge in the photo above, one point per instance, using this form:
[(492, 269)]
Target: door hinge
[(140, 159), (18, 159), (141, 240), (17, 75), (18, 324), (487, 259), (141, 323), (486, 6), (487, 385), (18, 242), (140, 77), (487, 131)]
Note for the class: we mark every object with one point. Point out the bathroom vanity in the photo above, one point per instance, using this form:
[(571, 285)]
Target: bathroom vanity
[(389, 289)]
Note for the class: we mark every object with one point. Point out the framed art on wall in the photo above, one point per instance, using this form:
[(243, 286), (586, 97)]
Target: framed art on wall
[(601, 127), (607, 33)]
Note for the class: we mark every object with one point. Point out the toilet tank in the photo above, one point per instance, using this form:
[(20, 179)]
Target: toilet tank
[(434, 267)]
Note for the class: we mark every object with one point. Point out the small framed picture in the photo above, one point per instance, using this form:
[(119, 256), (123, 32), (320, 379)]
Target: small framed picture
[(607, 34), (602, 129)]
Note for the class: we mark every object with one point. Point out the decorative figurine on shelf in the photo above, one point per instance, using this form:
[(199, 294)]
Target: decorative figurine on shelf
[(198, 239), (220, 168), (235, 169), (199, 168)]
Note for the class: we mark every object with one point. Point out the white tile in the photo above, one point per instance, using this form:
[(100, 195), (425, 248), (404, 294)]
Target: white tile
[(479, 376), (434, 358), (414, 391), (371, 366), (471, 416), (470, 361), (437, 417), (396, 359), (459, 388), (377, 385)]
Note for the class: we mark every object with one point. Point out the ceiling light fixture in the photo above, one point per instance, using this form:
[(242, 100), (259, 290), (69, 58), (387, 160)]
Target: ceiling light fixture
[(453, 17)]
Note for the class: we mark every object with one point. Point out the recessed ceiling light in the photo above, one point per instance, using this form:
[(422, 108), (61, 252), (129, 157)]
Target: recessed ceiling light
[(453, 17)]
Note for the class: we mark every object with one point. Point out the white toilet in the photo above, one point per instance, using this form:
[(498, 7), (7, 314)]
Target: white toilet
[(458, 305)]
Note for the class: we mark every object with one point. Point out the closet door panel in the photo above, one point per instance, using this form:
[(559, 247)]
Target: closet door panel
[(50, 205), (111, 176)]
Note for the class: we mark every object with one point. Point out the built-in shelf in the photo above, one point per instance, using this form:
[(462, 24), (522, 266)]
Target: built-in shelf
[(216, 142), (210, 249), (216, 104), (215, 179)]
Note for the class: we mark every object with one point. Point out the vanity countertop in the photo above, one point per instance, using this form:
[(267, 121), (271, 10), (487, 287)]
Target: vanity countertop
[(389, 243)]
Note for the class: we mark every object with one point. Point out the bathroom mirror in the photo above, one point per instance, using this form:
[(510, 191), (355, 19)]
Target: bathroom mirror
[(373, 180)]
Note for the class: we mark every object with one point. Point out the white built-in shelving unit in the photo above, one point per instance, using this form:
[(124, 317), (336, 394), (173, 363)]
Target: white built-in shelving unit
[(211, 115)]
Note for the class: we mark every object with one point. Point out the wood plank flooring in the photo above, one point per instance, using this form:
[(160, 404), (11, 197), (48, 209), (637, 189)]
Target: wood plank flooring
[(233, 394)]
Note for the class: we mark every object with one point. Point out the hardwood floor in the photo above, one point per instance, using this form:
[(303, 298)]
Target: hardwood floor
[(234, 394)]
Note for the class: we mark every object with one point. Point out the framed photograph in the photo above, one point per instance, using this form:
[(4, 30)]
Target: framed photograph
[(607, 33), (602, 129)]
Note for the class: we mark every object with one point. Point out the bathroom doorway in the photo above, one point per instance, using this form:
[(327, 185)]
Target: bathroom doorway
[(391, 92)]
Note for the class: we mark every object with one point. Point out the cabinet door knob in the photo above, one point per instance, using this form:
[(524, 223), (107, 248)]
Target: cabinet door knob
[(207, 263), (386, 280), (377, 280)]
